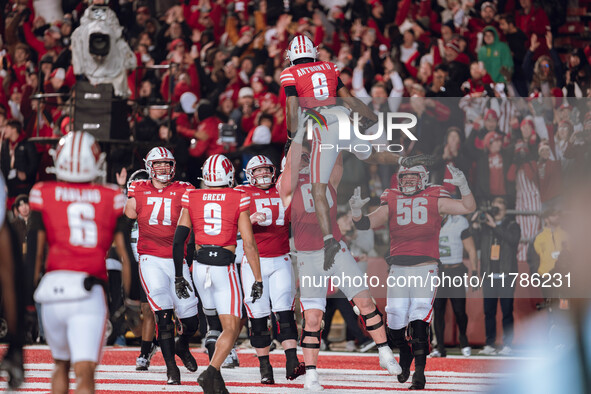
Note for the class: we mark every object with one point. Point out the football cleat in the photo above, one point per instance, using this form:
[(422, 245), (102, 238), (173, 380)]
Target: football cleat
[(298, 370), (173, 375), (418, 380), (186, 357), (266, 373), (388, 362), (312, 383), (231, 360)]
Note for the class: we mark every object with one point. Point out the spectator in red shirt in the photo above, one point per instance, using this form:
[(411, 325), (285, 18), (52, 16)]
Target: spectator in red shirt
[(533, 20)]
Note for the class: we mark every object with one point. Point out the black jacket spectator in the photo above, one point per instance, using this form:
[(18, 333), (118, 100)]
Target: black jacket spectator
[(18, 160), (508, 234)]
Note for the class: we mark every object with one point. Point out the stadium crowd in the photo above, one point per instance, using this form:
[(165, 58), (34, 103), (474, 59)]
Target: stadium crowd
[(492, 92)]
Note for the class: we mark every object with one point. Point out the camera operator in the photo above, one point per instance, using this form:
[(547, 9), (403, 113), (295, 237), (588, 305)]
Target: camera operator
[(498, 238)]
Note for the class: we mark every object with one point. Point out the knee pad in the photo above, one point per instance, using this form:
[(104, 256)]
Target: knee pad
[(260, 336), (164, 323), (189, 325), (314, 334), (365, 318), (397, 338), (419, 332), (286, 326), (214, 325)]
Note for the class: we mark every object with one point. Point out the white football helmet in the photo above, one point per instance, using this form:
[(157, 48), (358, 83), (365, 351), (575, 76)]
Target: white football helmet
[(138, 175), (160, 154), (300, 47), (261, 180), (77, 158), (420, 185), (218, 171)]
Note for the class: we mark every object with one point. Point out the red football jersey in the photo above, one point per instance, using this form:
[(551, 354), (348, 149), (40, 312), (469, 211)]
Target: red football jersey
[(79, 221), (414, 221), (316, 83), (158, 212), (214, 214), (306, 230), (272, 235)]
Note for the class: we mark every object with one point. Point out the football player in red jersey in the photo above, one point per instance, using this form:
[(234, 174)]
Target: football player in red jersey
[(77, 219), (156, 205), (270, 223), (12, 300), (296, 192), (414, 212), (142, 363), (219, 212), (316, 85)]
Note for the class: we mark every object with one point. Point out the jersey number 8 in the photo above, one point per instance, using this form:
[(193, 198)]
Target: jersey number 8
[(320, 84)]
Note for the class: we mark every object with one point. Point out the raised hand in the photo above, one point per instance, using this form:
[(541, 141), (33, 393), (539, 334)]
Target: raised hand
[(356, 203), (458, 179)]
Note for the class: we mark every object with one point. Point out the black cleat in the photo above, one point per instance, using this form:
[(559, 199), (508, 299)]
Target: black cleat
[(418, 380), (296, 371), (174, 375), (267, 374), (405, 362), (13, 365), (186, 357), (211, 381), (403, 377), (418, 160), (331, 248)]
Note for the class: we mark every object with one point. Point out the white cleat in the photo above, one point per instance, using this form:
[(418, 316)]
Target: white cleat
[(388, 362), (467, 351), (506, 351), (231, 360), (488, 351), (312, 383)]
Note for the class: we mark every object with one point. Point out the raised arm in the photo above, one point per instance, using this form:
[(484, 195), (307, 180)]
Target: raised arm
[(376, 219), (457, 207)]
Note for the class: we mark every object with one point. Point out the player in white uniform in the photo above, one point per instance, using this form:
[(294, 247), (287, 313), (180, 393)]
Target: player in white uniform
[(295, 190), (270, 222), (413, 212), (454, 237), (156, 205), (78, 219), (315, 85), (147, 347), (219, 211)]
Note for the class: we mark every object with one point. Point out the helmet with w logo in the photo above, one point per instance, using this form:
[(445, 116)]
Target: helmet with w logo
[(159, 155), (414, 185), (301, 47), (260, 180), (218, 171), (77, 158)]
